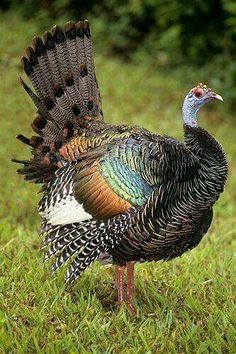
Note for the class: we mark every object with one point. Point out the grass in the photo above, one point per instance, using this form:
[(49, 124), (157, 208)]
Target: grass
[(183, 306)]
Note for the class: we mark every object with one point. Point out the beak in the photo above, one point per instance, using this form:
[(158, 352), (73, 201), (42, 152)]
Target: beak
[(215, 96)]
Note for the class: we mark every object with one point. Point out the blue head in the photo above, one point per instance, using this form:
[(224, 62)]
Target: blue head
[(195, 99)]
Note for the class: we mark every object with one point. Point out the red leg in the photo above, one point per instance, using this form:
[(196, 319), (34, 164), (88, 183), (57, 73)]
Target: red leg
[(130, 287), (120, 273)]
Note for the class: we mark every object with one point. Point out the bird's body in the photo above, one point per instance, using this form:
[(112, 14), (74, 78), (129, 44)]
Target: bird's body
[(117, 191)]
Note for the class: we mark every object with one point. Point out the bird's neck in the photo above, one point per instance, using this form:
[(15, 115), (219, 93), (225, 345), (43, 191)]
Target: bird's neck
[(204, 145), (213, 164), (189, 112)]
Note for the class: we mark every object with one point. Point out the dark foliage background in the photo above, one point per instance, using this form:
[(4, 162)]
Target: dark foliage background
[(165, 33)]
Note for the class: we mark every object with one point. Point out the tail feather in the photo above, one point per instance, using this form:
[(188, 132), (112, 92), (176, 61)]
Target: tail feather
[(46, 128), (61, 50), (75, 94), (33, 71), (89, 59), (37, 57), (64, 101), (38, 103), (41, 65), (57, 114), (70, 32), (54, 65), (36, 170), (79, 26)]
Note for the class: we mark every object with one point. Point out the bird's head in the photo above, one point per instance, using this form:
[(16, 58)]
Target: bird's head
[(195, 99)]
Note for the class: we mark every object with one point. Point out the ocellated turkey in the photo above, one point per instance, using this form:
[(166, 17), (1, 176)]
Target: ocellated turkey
[(114, 193)]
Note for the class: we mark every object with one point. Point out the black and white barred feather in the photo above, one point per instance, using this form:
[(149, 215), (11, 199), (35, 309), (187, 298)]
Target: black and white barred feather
[(82, 243)]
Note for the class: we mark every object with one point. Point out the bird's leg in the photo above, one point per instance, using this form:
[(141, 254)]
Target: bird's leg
[(130, 287), (120, 274)]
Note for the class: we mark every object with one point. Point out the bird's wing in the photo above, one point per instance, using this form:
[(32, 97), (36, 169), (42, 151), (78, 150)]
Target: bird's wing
[(106, 182)]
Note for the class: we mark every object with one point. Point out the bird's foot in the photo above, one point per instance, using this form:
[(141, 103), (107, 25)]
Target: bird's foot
[(130, 287), (131, 309)]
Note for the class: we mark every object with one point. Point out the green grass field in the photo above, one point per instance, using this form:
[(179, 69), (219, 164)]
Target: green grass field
[(183, 306)]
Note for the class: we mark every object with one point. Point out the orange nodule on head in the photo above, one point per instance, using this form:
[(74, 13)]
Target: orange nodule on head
[(204, 87)]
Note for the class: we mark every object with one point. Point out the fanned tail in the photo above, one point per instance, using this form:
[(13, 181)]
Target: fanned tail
[(84, 242), (61, 69)]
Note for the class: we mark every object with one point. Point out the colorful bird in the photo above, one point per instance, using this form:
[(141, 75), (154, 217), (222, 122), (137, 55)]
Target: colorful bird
[(114, 193)]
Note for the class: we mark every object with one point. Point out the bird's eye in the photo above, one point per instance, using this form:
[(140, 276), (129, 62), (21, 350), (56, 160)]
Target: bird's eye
[(199, 93)]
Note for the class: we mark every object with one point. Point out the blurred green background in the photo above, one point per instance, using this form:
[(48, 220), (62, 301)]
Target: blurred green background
[(148, 54), (165, 33)]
